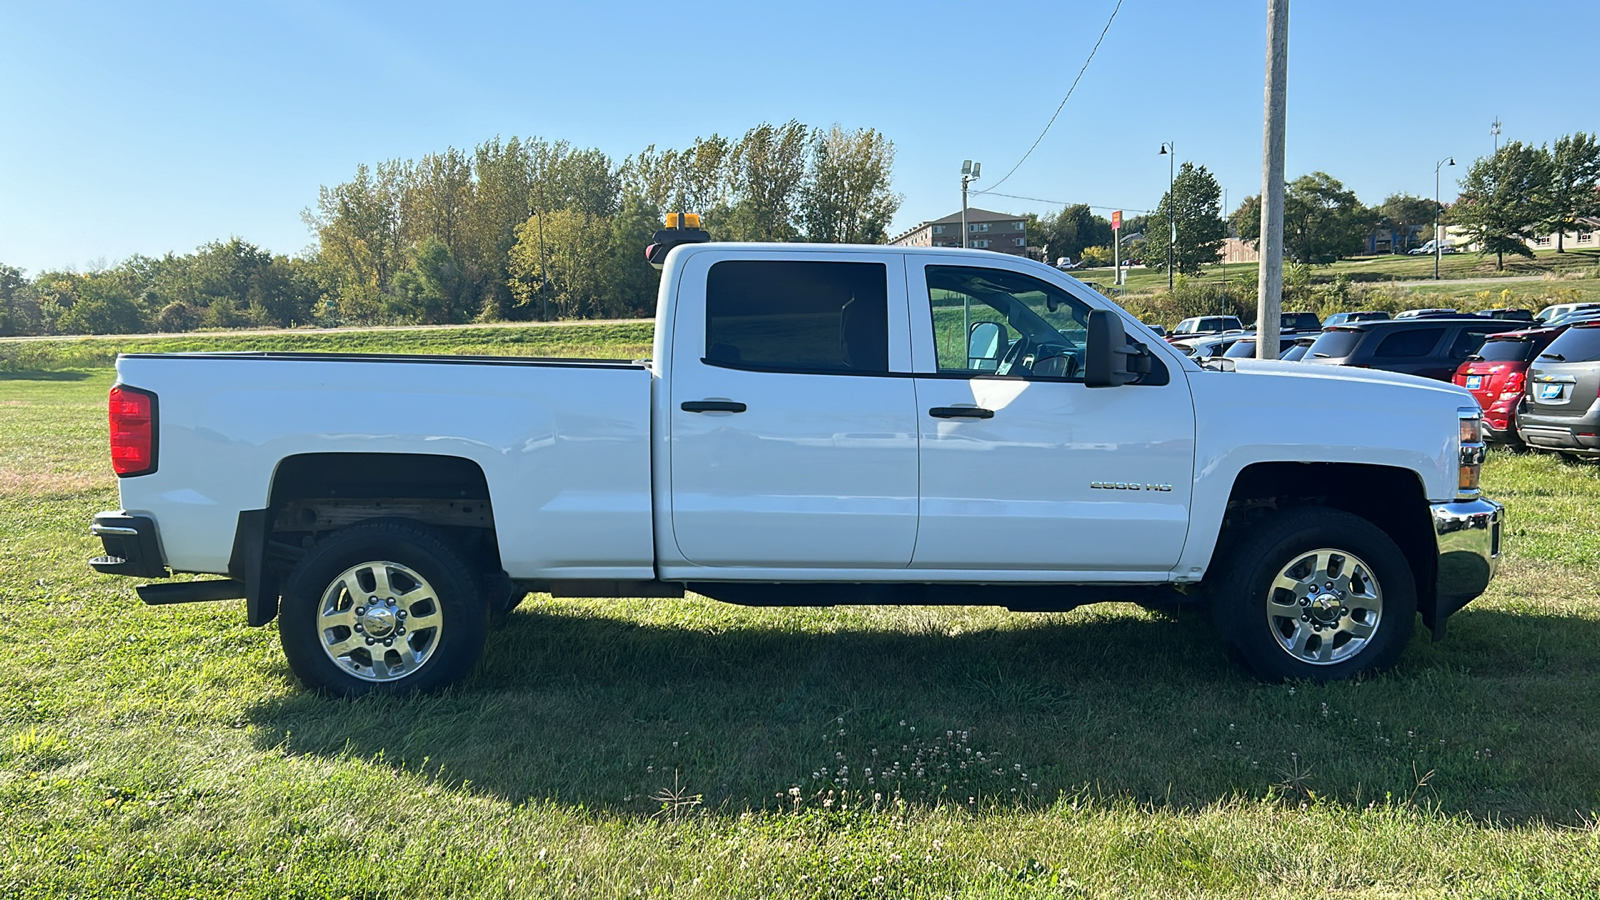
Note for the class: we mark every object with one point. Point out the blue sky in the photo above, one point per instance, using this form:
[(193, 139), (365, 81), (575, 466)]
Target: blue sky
[(147, 129)]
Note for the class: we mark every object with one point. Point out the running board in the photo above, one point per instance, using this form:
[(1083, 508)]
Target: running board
[(190, 592)]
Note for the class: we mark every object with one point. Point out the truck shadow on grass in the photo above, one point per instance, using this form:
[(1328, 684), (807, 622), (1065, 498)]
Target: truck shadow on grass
[(578, 706)]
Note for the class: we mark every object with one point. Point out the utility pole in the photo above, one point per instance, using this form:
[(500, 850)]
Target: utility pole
[(1494, 132), (1269, 283), (1171, 154), (1225, 226)]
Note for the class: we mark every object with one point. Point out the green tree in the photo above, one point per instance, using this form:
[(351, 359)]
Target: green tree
[(769, 167), (559, 260), (1322, 220), (1574, 189), (1070, 230), (1406, 216), (1196, 204), (846, 198), (19, 308), (1503, 199), (432, 290), (103, 307)]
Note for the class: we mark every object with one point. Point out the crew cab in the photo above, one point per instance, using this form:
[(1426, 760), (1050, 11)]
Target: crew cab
[(817, 425)]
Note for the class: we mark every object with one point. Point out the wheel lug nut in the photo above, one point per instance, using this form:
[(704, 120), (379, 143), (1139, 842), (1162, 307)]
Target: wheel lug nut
[(1305, 617), (371, 641), (388, 642), (359, 629), (402, 630), (361, 610), (401, 614)]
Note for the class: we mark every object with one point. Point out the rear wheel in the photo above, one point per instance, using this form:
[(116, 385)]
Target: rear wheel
[(382, 607), (1315, 593)]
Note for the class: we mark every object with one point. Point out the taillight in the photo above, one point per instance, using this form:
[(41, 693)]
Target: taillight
[(133, 431)]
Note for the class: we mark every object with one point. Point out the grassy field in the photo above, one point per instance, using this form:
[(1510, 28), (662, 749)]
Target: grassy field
[(1378, 269), (686, 748)]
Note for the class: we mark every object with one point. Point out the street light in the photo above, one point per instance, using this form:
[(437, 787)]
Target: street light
[(969, 173), (1438, 246), (1172, 223)]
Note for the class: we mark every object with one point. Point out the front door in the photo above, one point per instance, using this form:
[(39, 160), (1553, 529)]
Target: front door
[(1023, 468), (793, 438)]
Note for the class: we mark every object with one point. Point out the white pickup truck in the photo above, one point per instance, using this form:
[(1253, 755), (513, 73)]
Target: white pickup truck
[(818, 425)]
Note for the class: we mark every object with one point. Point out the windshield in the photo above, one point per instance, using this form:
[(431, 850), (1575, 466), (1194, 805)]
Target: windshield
[(1576, 344), (1507, 350)]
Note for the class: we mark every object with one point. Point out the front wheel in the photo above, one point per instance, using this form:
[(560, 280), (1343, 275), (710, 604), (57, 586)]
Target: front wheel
[(382, 607), (1315, 593)]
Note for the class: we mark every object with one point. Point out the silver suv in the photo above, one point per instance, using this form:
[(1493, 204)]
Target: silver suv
[(1560, 408)]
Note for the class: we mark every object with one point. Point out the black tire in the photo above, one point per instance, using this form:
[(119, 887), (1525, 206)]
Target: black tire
[(413, 558), (1277, 639)]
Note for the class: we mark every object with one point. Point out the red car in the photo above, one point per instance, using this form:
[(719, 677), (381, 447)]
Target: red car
[(1495, 377)]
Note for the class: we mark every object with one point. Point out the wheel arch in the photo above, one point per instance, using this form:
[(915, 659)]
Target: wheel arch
[(314, 494), (1392, 498)]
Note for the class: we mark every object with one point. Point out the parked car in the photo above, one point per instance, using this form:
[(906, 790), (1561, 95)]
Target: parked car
[(1298, 351), (1573, 316), (1430, 348), (1496, 377), (1556, 311), (1509, 315), (1209, 346), (1427, 313), (1427, 248), (1199, 326), (833, 439), (1560, 408), (1245, 347), (1341, 318), (1160, 330), (1065, 263)]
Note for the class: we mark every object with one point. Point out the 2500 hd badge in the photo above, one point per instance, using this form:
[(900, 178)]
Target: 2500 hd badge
[(1127, 486)]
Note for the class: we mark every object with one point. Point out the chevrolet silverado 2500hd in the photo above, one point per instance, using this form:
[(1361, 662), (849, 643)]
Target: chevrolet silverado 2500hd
[(818, 425)]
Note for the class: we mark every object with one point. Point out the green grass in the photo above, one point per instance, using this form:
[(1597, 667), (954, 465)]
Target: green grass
[(168, 752), (1377, 269), (624, 340)]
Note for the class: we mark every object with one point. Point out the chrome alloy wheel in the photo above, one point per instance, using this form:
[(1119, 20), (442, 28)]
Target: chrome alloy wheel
[(379, 621), (1324, 606)]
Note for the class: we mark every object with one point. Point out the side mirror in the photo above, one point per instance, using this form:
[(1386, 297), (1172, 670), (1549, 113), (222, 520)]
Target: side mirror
[(1111, 360), (984, 343)]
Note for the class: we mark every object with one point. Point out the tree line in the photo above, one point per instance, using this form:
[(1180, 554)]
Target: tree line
[(518, 229)]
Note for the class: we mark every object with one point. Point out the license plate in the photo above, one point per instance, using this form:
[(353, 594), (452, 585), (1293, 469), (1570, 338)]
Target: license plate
[(1550, 392), (1473, 381)]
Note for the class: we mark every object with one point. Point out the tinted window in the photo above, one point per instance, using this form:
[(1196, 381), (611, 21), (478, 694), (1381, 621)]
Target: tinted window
[(1245, 349), (1303, 321), (789, 315), (1295, 353), (1505, 351), (1408, 343), (1468, 342), (1334, 344), (1576, 344)]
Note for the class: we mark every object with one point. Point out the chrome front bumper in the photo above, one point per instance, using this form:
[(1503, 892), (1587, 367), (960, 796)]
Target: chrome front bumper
[(1467, 533)]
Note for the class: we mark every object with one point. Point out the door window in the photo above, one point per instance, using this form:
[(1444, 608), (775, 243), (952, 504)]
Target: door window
[(795, 316), (995, 322), (1468, 342)]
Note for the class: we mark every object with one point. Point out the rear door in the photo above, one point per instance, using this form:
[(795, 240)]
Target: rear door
[(793, 422)]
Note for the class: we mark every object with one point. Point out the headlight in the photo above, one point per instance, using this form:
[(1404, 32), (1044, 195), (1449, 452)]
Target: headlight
[(1471, 450)]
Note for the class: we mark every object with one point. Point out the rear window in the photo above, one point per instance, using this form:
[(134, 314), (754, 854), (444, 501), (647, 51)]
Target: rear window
[(1334, 344), (1507, 350), (1302, 321), (1408, 343), (1576, 344), (1245, 349)]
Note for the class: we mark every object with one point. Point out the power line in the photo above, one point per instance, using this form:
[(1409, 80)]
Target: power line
[(1062, 202), (1063, 100)]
